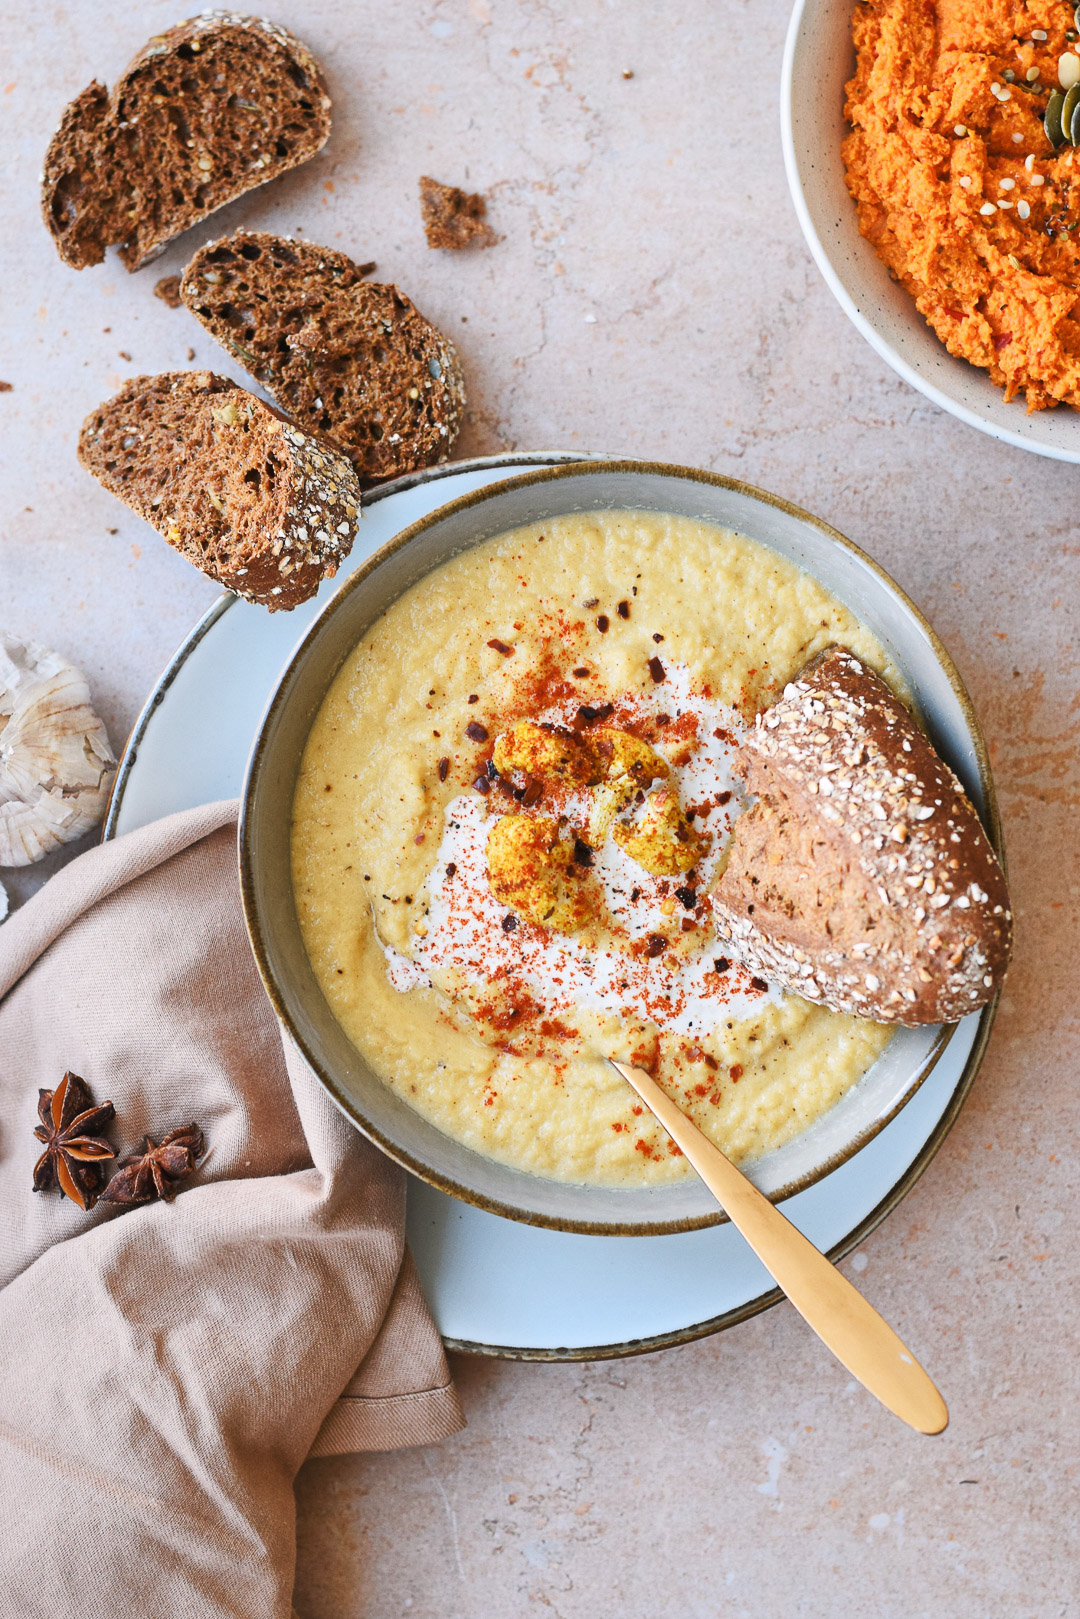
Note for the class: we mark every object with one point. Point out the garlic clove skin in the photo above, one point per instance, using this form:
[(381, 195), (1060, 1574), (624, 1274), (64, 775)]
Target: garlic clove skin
[(56, 765)]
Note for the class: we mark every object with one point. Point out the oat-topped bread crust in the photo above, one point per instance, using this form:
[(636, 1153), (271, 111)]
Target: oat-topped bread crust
[(205, 112), (862, 877), (344, 355), (453, 218), (265, 509)]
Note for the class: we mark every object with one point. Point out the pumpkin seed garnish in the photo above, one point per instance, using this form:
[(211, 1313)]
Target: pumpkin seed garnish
[(1070, 129), (1052, 119)]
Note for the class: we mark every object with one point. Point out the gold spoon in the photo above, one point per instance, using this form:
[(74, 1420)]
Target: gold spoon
[(825, 1299)]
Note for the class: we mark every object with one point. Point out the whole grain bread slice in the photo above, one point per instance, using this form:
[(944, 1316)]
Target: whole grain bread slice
[(205, 112), (343, 355), (862, 877), (263, 508)]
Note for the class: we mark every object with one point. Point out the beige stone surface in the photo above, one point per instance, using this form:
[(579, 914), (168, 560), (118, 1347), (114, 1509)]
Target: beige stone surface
[(651, 295)]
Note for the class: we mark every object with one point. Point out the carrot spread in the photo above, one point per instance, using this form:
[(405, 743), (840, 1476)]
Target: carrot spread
[(959, 187)]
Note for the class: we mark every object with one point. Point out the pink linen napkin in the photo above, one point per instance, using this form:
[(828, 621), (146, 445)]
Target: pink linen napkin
[(167, 1368)]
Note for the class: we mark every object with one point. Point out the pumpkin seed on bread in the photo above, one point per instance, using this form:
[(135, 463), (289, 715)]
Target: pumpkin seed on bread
[(862, 877), (340, 354), (205, 112), (264, 508)]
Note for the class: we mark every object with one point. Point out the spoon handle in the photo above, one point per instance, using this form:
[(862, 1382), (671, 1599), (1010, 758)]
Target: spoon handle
[(826, 1300)]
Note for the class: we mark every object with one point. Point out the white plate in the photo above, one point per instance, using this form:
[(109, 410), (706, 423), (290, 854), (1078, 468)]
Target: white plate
[(496, 1285), (818, 60)]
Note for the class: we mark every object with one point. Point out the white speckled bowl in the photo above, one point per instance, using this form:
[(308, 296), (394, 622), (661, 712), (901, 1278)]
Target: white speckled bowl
[(267, 806), (818, 60)]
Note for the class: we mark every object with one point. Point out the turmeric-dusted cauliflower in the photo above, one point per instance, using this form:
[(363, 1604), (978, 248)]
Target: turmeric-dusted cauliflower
[(629, 763), (627, 757), (527, 864), (663, 841), (546, 751), (528, 870)]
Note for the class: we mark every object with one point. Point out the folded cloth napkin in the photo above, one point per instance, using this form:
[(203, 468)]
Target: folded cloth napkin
[(168, 1367)]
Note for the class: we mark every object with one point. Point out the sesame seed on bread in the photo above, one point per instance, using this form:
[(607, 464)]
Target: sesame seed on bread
[(862, 877), (206, 111), (341, 354), (265, 509)]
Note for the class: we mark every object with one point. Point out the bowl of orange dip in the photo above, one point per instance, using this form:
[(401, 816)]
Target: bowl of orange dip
[(943, 217)]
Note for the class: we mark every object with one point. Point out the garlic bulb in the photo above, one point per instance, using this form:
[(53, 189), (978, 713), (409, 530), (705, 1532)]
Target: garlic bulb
[(56, 765)]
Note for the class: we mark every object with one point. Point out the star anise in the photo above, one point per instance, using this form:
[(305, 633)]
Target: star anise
[(143, 1176), (71, 1127)]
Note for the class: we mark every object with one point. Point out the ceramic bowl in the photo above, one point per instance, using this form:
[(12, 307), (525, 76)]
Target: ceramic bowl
[(818, 60), (271, 778)]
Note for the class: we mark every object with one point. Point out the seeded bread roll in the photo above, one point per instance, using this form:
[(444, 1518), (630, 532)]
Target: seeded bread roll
[(266, 510), (862, 877), (205, 112), (341, 354)]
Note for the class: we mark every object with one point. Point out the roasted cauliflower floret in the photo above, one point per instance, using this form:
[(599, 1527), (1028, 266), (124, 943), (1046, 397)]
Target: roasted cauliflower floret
[(629, 757), (663, 841), (528, 869), (546, 752), (629, 764)]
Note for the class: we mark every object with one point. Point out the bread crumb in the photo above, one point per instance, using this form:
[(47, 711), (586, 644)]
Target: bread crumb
[(5, 387), (168, 290), (454, 218)]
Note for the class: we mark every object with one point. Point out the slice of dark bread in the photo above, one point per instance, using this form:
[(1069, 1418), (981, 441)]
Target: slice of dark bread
[(453, 218), (862, 877), (205, 112), (263, 508), (342, 355)]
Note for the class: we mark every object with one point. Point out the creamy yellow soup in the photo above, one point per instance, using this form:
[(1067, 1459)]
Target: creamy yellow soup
[(593, 628)]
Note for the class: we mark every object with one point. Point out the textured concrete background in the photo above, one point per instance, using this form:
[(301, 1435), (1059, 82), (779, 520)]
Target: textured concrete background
[(652, 296)]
